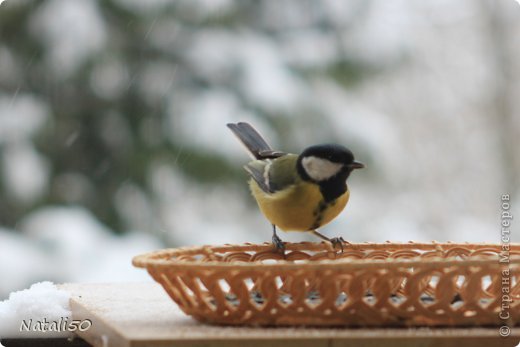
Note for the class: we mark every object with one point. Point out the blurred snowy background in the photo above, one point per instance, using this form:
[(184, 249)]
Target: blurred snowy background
[(113, 138)]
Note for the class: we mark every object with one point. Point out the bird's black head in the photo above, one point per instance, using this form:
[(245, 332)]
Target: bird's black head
[(326, 162)]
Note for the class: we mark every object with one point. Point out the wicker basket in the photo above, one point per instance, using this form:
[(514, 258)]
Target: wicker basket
[(368, 284)]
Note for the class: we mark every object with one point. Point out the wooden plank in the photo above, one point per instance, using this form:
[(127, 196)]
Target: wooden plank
[(141, 314)]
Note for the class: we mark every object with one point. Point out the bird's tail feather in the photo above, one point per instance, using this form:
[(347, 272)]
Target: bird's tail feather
[(253, 141)]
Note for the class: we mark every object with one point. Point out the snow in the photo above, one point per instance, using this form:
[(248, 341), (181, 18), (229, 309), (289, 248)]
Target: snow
[(41, 301), (68, 244), (68, 235), (388, 24), (266, 80), (217, 46), (134, 206), (193, 120), (156, 81), (263, 75), (187, 223), (25, 172), (81, 246), (148, 7), (21, 116), (309, 48), (72, 30), (109, 79), (22, 262), (200, 10)]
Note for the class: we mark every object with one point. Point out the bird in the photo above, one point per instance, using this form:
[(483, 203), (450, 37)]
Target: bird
[(297, 192)]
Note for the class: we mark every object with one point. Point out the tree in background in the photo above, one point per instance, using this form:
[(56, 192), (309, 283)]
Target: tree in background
[(120, 106), (100, 91)]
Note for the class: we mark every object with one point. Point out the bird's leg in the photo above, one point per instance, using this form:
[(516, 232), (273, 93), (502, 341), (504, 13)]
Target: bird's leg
[(335, 241), (277, 242)]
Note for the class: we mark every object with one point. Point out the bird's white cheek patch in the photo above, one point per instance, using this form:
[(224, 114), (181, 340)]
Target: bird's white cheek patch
[(320, 169)]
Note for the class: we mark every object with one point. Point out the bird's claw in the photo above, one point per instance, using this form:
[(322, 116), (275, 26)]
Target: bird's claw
[(278, 244), (338, 241)]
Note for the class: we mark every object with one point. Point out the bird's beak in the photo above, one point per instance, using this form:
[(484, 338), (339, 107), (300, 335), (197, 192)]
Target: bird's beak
[(356, 165)]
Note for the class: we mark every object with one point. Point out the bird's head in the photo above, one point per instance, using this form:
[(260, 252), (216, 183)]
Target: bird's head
[(322, 163)]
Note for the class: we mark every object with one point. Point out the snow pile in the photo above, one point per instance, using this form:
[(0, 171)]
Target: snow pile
[(24, 310)]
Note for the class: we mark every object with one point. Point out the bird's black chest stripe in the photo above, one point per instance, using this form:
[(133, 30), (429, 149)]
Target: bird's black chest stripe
[(319, 212), (333, 189)]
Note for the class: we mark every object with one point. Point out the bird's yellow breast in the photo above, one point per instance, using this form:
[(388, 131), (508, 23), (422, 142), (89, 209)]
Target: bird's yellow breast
[(299, 207)]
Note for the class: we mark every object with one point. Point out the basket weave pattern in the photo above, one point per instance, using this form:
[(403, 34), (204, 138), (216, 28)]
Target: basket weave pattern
[(367, 285)]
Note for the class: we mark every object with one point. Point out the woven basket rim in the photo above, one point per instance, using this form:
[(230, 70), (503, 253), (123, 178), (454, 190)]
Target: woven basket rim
[(166, 258)]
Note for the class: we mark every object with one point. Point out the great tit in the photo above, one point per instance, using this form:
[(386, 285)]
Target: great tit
[(297, 192)]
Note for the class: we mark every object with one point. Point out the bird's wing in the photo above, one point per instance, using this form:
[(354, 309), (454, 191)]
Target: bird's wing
[(273, 175), (253, 141), (257, 170)]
